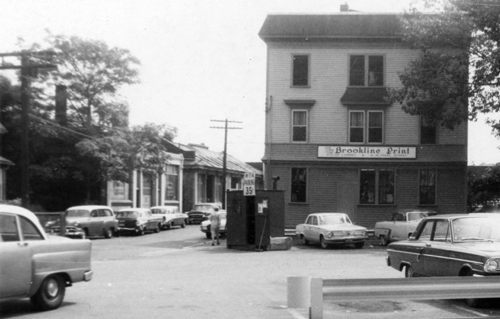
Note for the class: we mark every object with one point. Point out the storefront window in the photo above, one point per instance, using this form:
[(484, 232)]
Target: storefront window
[(172, 183), (373, 182)]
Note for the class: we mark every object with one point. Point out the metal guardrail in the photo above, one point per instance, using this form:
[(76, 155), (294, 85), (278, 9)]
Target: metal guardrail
[(307, 292)]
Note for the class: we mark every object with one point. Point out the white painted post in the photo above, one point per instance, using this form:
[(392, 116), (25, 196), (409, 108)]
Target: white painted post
[(316, 310), (299, 292)]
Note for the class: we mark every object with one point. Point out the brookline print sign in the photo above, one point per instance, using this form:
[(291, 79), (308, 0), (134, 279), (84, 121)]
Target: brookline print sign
[(404, 152)]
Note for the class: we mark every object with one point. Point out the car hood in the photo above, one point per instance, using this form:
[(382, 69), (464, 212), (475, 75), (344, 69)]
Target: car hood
[(342, 227), (485, 246), (72, 220)]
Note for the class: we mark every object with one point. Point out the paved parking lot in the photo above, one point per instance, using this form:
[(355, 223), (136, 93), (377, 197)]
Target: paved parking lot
[(178, 274)]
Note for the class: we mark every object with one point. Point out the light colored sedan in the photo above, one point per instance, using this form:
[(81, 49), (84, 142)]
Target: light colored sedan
[(37, 266), (331, 229), (170, 216)]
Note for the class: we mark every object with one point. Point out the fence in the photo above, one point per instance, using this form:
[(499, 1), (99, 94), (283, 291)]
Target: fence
[(307, 292)]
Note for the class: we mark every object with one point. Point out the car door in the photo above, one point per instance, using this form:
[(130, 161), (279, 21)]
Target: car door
[(307, 228), (95, 222), (15, 261), (436, 253)]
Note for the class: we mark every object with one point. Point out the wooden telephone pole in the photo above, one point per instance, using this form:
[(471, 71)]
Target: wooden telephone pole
[(30, 63), (224, 164)]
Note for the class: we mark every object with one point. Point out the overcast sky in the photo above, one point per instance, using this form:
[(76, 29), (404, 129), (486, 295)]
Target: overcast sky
[(200, 60)]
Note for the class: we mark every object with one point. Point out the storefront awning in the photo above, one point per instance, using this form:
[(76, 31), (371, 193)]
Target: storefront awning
[(365, 96)]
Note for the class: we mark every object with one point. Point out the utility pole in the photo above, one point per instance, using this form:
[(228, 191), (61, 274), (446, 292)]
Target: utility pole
[(224, 164), (30, 63)]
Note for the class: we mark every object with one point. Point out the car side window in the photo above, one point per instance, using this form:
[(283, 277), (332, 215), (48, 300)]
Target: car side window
[(29, 230), (94, 213), (315, 220), (8, 228), (426, 232), (441, 231)]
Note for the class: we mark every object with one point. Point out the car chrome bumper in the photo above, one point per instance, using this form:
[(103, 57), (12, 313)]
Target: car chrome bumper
[(70, 232), (346, 240)]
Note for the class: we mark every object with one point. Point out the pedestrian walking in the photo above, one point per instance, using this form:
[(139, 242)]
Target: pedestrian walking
[(215, 225)]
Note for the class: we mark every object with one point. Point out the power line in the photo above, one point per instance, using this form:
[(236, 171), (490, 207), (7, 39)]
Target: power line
[(31, 61), (224, 164)]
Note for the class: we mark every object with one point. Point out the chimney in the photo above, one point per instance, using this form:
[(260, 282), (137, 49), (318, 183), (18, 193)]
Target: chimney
[(344, 7)]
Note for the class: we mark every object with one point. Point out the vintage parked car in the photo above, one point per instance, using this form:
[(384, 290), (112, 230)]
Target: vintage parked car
[(170, 216), (331, 228), (37, 266), (401, 225), (87, 221), (137, 221), (201, 211), (205, 225), (450, 245)]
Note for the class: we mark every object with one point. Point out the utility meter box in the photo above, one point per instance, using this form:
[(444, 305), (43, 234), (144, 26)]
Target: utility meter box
[(253, 220)]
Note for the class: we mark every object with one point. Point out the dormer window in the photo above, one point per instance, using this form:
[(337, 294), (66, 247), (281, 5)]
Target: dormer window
[(366, 70)]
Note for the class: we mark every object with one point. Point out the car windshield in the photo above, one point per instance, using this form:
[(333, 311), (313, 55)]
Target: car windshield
[(159, 211), (203, 207), (333, 219), (77, 213), (127, 214), (477, 228)]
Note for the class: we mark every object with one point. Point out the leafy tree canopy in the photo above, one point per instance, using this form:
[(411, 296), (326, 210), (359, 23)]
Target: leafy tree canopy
[(460, 61), (93, 73)]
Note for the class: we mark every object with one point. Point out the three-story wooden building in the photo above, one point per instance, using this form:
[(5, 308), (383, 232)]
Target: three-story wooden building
[(333, 137)]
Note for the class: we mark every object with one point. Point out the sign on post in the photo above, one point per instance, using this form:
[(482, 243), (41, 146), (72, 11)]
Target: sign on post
[(249, 184)]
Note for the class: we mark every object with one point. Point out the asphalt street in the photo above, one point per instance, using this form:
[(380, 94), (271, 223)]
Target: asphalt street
[(178, 274)]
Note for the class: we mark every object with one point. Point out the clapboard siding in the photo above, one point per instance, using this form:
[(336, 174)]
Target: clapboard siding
[(328, 122)]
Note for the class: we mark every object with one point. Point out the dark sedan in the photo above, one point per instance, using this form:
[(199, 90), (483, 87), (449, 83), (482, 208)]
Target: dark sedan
[(450, 245)]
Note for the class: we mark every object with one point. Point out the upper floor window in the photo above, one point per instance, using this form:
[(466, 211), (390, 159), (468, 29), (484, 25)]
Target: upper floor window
[(299, 185), (366, 70), (300, 70), (428, 133), (370, 130), (299, 126)]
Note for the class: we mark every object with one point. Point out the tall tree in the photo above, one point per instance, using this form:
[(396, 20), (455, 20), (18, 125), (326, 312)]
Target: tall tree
[(60, 174), (460, 61), (93, 73)]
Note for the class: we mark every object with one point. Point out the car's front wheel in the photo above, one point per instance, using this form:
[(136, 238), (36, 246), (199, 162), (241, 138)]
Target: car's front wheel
[(472, 302), (359, 245), (157, 229), (108, 233), (183, 225), (409, 271), (323, 242), (304, 240), (50, 295), (140, 231)]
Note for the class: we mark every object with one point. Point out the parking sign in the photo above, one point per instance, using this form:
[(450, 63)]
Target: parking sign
[(249, 184)]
